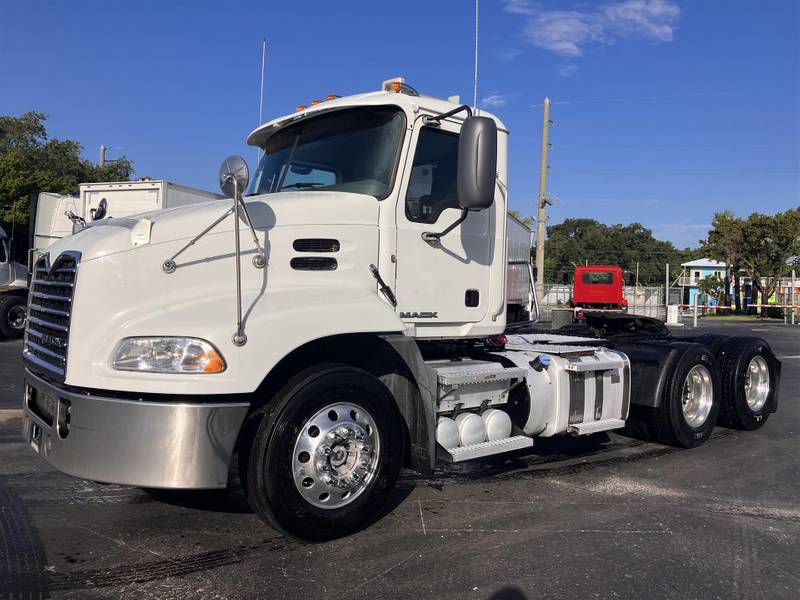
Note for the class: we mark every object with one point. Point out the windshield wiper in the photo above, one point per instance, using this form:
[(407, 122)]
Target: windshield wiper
[(302, 185)]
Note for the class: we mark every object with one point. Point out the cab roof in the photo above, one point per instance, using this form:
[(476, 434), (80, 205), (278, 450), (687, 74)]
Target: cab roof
[(409, 103)]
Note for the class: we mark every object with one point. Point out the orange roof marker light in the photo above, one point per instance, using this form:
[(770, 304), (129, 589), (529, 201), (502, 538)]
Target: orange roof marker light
[(314, 102), (299, 108), (332, 97), (398, 85)]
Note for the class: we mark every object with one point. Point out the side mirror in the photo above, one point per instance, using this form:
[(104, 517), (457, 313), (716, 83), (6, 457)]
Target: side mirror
[(101, 210), (233, 176), (477, 163)]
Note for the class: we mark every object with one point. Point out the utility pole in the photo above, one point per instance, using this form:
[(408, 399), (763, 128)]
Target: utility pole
[(102, 156), (541, 218)]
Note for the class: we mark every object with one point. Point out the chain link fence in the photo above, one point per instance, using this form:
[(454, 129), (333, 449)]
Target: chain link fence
[(643, 301)]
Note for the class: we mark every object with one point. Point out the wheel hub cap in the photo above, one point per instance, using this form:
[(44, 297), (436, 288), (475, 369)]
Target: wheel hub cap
[(698, 396), (335, 455), (16, 317), (756, 383)]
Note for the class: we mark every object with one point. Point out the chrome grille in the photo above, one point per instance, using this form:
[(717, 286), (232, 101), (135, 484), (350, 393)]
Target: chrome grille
[(49, 314)]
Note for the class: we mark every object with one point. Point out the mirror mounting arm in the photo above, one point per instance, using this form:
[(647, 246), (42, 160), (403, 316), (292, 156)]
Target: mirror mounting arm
[(434, 239), (435, 120)]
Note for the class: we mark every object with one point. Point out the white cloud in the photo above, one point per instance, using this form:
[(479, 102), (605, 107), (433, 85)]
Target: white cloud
[(495, 100), (568, 32), (567, 70), (652, 19), (519, 7), (563, 32)]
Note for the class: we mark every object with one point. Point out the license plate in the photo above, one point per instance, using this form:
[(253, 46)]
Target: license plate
[(36, 437), (43, 405)]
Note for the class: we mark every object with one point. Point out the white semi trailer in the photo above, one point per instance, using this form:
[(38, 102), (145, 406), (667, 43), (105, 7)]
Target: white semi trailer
[(55, 217), (342, 318), (520, 296)]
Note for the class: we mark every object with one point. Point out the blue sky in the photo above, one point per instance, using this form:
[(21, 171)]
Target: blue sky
[(664, 111)]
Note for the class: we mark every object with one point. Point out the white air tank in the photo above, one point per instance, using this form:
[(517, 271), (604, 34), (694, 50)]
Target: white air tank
[(498, 424), (447, 433), (471, 429)]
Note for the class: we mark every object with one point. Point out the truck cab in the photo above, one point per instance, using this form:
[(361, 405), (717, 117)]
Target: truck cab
[(599, 287)]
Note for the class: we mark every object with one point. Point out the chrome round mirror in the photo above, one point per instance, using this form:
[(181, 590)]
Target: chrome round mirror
[(234, 168), (100, 211)]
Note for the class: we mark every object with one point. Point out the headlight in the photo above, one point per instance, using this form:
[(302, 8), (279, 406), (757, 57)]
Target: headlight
[(167, 355)]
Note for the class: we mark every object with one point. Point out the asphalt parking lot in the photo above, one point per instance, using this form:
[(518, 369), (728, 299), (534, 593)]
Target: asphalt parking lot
[(603, 517)]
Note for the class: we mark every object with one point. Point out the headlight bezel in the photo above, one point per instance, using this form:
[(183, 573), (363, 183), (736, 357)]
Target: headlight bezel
[(143, 356)]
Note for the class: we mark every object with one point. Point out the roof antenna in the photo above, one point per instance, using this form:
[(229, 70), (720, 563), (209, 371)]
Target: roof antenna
[(261, 88), (475, 79)]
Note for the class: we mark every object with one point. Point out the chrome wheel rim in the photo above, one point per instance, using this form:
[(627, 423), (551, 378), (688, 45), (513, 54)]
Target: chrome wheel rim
[(756, 383), (16, 317), (336, 455), (698, 396)]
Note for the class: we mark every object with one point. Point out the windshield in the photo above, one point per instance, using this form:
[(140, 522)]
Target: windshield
[(597, 277), (352, 150)]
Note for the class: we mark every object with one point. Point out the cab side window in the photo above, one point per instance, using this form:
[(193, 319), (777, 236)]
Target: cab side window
[(432, 185)]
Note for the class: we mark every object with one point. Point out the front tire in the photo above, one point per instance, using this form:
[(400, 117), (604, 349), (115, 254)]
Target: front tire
[(326, 454), (749, 382), (690, 402), (13, 316)]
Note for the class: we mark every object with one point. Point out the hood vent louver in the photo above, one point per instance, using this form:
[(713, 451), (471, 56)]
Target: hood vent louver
[(316, 245), (313, 263)]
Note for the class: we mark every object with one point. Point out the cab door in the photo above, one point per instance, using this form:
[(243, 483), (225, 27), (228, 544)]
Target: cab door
[(446, 283)]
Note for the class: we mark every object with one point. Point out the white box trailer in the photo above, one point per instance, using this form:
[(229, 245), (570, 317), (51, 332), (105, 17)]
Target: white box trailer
[(124, 198), (519, 289)]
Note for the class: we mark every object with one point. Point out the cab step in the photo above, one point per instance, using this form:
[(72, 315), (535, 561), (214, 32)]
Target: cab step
[(595, 426), (462, 453)]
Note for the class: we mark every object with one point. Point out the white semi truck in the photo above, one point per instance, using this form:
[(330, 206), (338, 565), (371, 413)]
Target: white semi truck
[(55, 217), (341, 316)]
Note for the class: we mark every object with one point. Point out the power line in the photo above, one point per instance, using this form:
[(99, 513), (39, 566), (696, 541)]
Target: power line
[(667, 96)]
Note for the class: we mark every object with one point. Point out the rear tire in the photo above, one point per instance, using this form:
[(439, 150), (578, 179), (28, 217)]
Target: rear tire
[(12, 316), (748, 370), (326, 454), (690, 402)]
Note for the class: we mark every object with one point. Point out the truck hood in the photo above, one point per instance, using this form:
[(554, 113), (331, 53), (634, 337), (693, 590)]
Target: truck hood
[(111, 236)]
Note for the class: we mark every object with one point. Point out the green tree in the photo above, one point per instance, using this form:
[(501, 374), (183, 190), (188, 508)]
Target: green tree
[(726, 243), (712, 286), (578, 241), (30, 163), (770, 248)]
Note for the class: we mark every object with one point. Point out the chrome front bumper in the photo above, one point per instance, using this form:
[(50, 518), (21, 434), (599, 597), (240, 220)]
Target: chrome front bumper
[(131, 442)]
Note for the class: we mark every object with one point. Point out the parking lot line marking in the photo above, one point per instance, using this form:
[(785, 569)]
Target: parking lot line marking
[(422, 520)]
